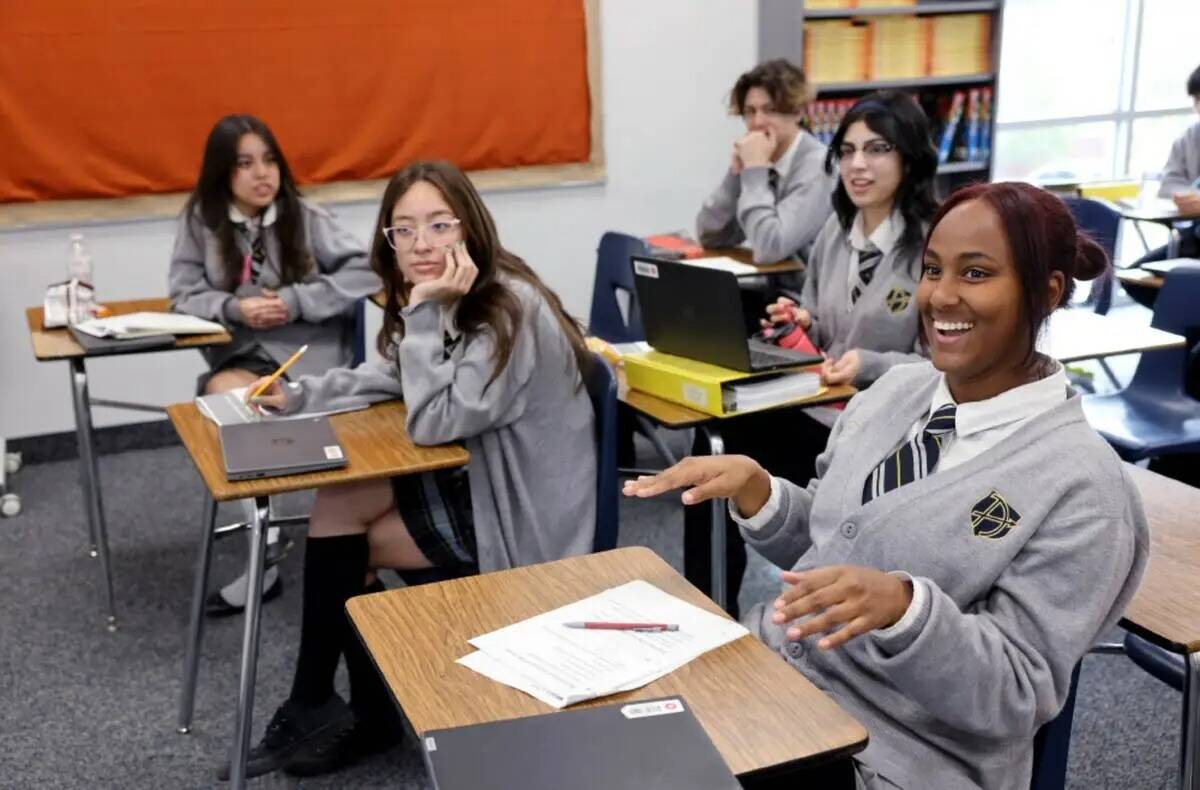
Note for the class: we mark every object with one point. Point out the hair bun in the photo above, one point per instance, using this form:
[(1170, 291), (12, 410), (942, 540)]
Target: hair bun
[(1091, 261)]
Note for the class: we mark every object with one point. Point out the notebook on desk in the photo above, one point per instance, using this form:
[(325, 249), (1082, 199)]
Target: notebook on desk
[(650, 743), (696, 312), (282, 447), (95, 346)]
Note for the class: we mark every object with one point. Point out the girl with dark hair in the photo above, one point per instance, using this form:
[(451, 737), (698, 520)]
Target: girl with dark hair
[(484, 353), (278, 271), (857, 305), (967, 535)]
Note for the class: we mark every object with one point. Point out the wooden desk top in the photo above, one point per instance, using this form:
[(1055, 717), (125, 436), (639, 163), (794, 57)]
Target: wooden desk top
[(758, 711), (674, 415), (744, 255), (1075, 334), (1140, 277), (1166, 608), (51, 344), (375, 441)]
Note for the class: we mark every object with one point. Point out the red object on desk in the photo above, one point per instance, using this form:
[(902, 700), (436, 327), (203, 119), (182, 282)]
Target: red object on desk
[(684, 247)]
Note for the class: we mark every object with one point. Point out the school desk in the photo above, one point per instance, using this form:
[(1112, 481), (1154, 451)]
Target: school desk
[(50, 345), (1076, 334), (764, 717), (1166, 608), (376, 445), (1140, 277), (1161, 211)]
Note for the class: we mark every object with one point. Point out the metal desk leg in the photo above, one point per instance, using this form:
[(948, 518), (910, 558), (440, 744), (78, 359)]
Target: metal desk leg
[(255, 569), (1189, 740), (89, 477), (191, 662), (720, 581), (1174, 237)]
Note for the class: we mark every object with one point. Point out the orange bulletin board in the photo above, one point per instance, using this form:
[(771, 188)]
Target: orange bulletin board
[(109, 98)]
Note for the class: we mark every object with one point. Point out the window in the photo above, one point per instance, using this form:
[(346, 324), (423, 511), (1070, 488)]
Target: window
[(1091, 90)]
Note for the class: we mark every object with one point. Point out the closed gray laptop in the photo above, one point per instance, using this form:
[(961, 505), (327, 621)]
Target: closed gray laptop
[(280, 447), (640, 745)]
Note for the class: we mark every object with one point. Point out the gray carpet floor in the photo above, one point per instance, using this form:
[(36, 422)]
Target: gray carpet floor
[(84, 708)]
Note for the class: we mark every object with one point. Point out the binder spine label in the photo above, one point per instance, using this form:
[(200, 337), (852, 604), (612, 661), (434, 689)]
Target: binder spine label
[(660, 707)]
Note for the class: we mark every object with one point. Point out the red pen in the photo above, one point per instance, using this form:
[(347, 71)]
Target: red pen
[(595, 625)]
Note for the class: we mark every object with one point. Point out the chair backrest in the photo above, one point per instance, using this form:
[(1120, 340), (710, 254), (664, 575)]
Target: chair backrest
[(359, 342), (1052, 743), (614, 275), (1174, 311), (1100, 220), (602, 389)]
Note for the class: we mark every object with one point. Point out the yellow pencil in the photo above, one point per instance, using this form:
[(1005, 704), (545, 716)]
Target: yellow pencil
[(282, 369)]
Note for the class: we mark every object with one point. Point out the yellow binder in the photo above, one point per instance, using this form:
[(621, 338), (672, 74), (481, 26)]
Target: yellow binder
[(697, 385)]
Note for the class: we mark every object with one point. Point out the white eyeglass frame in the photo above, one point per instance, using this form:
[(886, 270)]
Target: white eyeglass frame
[(419, 226)]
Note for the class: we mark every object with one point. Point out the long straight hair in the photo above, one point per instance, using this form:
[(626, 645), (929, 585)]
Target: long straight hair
[(897, 118), (214, 193), (490, 303)]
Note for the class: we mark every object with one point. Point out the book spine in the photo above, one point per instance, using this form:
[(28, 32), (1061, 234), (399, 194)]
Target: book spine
[(973, 102), (951, 128)]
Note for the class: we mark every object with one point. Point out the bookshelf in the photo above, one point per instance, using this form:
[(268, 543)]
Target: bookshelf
[(945, 52)]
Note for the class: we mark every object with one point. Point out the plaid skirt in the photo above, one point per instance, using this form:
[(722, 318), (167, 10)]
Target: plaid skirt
[(436, 508)]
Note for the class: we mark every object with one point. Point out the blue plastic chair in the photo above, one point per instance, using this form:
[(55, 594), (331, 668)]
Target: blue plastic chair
[(359, 342), (615, 275), (1154, 415), (1052, 744), (1100, 220), (601, 385)]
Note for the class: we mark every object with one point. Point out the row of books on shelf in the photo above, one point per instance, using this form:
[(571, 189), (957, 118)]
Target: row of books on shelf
[(966, 129), (897, 47), (858, 3), (962, 120)]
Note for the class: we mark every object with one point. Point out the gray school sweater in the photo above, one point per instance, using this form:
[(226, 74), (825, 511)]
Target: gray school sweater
[(530, 432), (744, 208), (882, 325), (1183, 163), (321, 307), (1014, 602)]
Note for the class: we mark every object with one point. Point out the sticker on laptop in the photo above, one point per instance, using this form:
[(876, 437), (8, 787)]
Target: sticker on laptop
[(695, 394), (645, 269), (660, 707), (333, 453), (430, 744)]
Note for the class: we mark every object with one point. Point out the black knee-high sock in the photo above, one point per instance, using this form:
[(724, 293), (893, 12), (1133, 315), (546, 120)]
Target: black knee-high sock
[(333, 572), (369, 696)]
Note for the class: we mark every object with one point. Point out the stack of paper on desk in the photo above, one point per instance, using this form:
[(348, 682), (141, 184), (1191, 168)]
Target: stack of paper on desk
[(723, 264), (561, 666), (229, 408), (138, 324)]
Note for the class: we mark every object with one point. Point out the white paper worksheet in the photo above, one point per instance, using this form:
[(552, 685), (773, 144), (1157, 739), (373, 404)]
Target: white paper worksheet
[(561, 666)]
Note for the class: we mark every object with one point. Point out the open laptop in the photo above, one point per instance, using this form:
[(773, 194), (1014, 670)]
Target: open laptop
[(694, 312), (280, 447)]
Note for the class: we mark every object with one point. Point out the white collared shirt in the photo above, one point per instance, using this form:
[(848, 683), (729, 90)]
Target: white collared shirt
[(783, 164), (978, 427), (885, 238), (267, 217)]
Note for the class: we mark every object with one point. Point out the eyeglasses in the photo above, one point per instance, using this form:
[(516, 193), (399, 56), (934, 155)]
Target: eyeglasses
[(438, 232), (872, 150)]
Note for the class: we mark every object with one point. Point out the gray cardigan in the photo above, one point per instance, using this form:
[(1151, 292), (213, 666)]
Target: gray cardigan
[(1183, 163), (743, 207), (955, 700), (530, 432), (882, 325), (321, 307)]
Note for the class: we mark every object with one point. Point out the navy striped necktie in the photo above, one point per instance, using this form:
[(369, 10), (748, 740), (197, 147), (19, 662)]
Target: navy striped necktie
[(258, 251), (868, 261), (916, 458)]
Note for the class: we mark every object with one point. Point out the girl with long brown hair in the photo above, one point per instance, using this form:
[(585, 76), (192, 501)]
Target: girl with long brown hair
[(482, 352)]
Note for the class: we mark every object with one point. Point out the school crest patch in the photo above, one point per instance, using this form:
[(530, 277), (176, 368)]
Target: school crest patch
[(992, 517), (897, 300)]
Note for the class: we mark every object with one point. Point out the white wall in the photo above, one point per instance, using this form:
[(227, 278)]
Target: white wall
[(668, 66)]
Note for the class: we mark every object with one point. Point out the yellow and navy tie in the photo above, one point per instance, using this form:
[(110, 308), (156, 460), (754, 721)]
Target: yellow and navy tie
[(915, 459)]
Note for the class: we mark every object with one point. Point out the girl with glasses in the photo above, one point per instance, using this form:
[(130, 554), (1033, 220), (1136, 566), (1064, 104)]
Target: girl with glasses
[(482, 352), (278, 271), (967, 535)]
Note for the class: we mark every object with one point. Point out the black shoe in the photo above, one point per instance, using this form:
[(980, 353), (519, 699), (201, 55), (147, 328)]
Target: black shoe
[(293, 727), (350, 746), (215, 604)]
